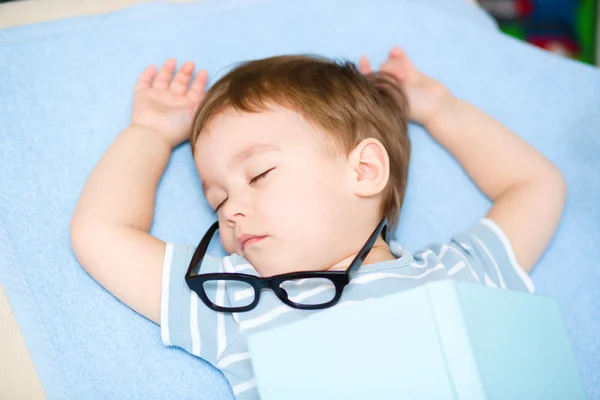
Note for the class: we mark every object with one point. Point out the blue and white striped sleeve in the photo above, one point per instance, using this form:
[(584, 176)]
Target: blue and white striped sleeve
[(490, 257), (186, 321)]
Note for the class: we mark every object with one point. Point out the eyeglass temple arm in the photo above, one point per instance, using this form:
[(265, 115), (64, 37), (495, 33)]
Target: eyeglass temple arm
[(202, 247), (366, 249)]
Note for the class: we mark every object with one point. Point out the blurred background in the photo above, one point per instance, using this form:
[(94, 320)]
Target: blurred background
[(567, 27)]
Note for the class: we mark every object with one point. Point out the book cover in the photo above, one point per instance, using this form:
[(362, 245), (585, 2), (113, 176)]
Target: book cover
[(443, 340)]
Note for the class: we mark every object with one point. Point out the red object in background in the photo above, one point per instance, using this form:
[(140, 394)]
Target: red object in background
[(508, 9), (524, 7), (556, 44)]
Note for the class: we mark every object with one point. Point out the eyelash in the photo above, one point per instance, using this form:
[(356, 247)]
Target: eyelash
[(252, 181), (261, 176)]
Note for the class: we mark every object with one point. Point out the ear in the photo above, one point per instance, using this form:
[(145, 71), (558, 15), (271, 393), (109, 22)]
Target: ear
[(370, 166)]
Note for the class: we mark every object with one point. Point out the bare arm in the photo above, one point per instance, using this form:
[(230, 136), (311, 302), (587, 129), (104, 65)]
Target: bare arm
[(109, 229), (110, 225), (527, 190)]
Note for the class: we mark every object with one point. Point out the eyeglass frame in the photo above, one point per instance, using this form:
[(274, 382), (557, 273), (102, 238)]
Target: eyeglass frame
[(339, 278)]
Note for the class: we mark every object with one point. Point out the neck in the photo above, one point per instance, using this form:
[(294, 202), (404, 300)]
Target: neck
[(379, 253)]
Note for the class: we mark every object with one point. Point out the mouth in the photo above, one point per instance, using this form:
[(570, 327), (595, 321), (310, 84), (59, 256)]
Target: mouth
[(249, 240)]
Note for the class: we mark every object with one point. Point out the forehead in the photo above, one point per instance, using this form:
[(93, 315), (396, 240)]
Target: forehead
[(231, 135)]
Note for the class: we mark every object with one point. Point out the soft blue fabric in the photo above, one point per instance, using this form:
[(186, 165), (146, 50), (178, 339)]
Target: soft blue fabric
[(65, 93)]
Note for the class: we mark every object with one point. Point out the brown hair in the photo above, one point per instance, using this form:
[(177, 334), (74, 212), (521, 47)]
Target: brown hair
[(331, 95)]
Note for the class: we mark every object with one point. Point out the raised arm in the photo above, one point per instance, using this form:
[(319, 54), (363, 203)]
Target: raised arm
[(527, 190), (110, 225)]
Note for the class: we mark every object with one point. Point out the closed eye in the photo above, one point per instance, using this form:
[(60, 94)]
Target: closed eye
[(252, 181), (261, 176), (219, 206)]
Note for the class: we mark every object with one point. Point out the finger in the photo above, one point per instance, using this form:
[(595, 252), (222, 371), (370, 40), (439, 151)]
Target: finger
[(364, 66), (395, 68), (198, 86), (163, 78), (145, 78), (181, 80), (396, 53)]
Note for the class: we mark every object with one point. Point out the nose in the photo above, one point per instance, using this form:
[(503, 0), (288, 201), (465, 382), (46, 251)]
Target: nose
[(235, 208)]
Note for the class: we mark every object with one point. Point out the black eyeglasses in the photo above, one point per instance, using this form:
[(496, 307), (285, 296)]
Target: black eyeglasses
[(308, 290)]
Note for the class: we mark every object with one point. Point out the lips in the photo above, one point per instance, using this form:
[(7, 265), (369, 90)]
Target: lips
[(246, 240)]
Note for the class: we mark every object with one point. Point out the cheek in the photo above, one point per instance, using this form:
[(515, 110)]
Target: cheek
[(302, 196), (277, 201), (227, 239)]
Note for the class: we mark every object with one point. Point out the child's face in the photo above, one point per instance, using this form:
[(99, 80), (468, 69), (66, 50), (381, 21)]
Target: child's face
[(302, 211)]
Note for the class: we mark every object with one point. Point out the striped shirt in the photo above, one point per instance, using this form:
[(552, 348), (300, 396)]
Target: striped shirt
[(481, 254)]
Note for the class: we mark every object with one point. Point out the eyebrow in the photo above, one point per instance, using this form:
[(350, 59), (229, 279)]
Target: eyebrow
[(246, 153), (253, 151)]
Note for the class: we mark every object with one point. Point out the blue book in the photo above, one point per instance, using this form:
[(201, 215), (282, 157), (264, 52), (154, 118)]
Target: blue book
[(443, 340)]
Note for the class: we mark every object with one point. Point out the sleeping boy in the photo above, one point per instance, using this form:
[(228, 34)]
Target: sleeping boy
[(304, 161)]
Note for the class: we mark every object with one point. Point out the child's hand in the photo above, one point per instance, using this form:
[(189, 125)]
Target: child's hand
[(165, 103), (425, 94)]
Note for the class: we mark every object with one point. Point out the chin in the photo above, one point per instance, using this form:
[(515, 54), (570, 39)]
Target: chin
[(266, 268)]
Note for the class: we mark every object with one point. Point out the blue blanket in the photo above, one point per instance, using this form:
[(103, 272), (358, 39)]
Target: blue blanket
[(65, 93)]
